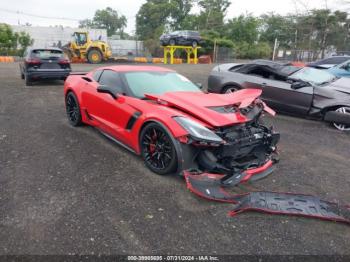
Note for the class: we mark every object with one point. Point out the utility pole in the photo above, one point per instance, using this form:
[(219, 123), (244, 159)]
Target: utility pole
[(214, 51), (274, 49), (295, 44)]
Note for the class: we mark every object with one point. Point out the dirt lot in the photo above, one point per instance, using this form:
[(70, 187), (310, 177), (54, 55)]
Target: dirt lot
[(66, 190)]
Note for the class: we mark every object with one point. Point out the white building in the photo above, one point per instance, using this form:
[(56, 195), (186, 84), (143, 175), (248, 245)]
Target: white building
[(56, 35)]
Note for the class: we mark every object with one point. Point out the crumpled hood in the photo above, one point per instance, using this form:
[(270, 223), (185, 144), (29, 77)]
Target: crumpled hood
[(342, 85), (202, 105)]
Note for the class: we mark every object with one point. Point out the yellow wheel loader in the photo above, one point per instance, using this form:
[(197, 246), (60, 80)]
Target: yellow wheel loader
[(83, 48)]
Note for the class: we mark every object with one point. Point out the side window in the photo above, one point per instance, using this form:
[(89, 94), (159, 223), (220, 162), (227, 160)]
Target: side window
[(96, 75), (259, 72), (112, 80)]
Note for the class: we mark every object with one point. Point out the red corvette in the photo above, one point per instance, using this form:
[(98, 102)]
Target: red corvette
[(172, 123)]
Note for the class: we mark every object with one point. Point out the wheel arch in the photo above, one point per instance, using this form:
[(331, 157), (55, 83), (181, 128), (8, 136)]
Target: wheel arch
[(333, 107), (93, 48), (230, 84), (157, 121), (71, 90)]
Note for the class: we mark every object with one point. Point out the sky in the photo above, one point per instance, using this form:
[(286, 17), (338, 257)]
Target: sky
[(18, 11)]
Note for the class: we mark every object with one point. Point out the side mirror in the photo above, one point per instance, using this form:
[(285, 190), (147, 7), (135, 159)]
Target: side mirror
[(299, 84), (106, 90), (200, 85)]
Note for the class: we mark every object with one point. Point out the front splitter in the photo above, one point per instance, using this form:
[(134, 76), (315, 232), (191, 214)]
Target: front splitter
[(209, 186)]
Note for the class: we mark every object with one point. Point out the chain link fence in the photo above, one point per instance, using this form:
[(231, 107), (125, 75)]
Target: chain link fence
[(223, 55)]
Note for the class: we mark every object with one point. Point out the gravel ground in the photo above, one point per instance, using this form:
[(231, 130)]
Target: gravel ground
[(66, 190)]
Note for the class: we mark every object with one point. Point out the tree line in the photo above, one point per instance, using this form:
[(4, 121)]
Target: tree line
[(317, 31), (13, 43)]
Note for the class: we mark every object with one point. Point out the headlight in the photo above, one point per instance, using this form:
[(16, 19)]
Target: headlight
[(197, 131)]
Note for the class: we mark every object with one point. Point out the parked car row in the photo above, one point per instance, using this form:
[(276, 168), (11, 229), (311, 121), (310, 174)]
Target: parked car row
[(305, 91), (337, 65)]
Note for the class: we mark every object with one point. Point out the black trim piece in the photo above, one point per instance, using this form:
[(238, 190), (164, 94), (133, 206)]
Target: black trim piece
[(88, 115), (133, 120), (209, 186), (293, 204), (116, 141)]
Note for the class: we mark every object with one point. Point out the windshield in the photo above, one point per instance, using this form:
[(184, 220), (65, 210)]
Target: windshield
[(313, 76), (158, 83)]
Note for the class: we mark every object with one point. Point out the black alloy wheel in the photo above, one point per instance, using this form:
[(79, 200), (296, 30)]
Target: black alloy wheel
[(158, 150), (73, 110)]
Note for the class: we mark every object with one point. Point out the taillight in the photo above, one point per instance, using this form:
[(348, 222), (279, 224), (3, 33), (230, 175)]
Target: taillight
[(33, 61), (63, 61)]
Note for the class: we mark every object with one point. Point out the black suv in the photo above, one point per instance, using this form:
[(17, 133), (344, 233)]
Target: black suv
[(187, 38), (44, 63)]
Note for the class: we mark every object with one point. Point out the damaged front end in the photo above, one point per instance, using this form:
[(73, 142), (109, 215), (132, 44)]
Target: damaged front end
[(242, 152)]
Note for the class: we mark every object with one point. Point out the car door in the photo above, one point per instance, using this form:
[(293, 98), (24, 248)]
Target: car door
[(256, 79), (279, 94), (286, 99), (111, 114)]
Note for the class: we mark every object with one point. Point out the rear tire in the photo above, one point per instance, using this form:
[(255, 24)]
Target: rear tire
[(94, 56), (158, 150), (229, 89), (28, 80), (73, 110)]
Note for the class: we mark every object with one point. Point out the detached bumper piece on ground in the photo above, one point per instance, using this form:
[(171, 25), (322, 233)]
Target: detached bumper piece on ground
[(212, 187)]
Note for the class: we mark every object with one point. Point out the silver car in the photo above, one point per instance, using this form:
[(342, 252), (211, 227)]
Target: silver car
[(290, 89)]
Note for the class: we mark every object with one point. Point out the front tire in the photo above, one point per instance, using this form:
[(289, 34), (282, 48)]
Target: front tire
[(73, 110), (94, 56), (343, 110), (158, 150)]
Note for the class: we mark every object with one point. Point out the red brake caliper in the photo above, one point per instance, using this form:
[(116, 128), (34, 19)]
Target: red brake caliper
[(152, 145)]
